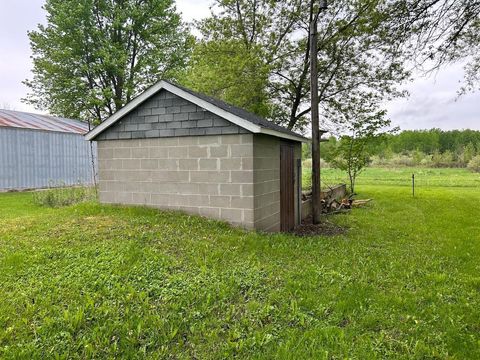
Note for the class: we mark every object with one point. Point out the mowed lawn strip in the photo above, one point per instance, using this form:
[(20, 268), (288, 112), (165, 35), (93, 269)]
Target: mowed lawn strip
[(424, 177), (93, 281)]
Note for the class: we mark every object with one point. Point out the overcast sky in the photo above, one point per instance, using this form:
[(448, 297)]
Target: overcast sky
[(432, 103)]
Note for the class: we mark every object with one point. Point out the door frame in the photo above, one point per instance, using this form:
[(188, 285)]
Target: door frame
[(287, 186)]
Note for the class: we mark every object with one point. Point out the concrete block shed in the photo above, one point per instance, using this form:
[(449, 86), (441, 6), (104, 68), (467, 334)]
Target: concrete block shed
[(173, 148)]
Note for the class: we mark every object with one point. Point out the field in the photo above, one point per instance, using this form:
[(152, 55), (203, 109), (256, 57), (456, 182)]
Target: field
[(424, 178), (92, 281)]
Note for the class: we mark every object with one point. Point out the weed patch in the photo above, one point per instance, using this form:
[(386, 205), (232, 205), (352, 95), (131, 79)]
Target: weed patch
[(57, 197)]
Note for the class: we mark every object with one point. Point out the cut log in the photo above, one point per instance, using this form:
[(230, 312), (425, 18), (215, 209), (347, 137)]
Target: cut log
[(360, 202)]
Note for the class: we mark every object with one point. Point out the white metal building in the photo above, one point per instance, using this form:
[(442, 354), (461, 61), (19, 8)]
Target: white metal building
[(39, 151)]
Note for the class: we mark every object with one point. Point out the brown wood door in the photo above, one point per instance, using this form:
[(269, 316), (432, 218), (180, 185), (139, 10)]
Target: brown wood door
[(287, 183)]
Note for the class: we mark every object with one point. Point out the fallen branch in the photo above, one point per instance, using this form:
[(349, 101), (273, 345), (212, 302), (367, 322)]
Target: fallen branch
[(360, 202)]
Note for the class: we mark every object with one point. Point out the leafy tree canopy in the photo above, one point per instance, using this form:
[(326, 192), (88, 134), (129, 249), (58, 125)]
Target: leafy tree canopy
[(366, 48), (225, 69), (93, 56)]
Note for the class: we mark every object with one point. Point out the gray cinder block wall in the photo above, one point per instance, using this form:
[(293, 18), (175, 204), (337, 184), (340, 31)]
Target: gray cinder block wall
[(266, 182), (208, 175)]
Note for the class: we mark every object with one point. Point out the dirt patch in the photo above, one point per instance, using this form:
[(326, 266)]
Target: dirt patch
[(325, 228)]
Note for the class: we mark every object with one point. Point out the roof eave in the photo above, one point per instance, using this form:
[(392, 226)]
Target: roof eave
[(283, 135)]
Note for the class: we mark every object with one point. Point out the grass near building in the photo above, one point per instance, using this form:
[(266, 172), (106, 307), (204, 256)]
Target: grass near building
[(92, 281)]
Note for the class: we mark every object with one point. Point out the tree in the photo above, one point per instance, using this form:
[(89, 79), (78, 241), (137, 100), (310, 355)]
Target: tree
[(364, 46), (447, 31), (361, 124), (94, 56), (474, 164), (468, 153), (357, 49), (225, 70)]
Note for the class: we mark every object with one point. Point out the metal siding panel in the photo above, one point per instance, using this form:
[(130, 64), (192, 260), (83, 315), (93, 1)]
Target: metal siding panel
[(36, 159)]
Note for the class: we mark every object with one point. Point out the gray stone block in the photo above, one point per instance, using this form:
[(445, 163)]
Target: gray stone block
[(166, 133), (174, 125), (159, 125), (173, 110), (165, 117), (151, 118), (182, 132), (199, 115), (189, 124), (180, 116), (125, 135), (230, 130), (218, 121), (111, 135), (145, 126), (152, 133), (205, 123), (191, 108), (159, 111), (143, 111), (177, 101), (135, 119), (138, 135), (197, 131), (213, 131), (131, 127)]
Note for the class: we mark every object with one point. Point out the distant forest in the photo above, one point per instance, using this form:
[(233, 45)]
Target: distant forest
[(435, 148)]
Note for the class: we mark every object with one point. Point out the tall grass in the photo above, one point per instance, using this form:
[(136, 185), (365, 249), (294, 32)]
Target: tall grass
[(65, 196)]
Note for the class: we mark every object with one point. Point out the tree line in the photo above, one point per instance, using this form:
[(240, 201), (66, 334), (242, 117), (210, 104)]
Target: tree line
[(434, 147)]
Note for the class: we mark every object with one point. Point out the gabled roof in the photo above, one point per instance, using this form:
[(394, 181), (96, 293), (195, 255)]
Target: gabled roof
[(23, 120), (235, 115)]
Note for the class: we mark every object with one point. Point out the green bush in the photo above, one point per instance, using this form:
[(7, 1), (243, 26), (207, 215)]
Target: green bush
[(64, 196), (307, 164), (402, 160), (474, 164)]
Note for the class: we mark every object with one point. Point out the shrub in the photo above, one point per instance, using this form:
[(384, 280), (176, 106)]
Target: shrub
[(307, 164), (64, 196), (379, 161), (474, 164), (402, 160), (427, 161)]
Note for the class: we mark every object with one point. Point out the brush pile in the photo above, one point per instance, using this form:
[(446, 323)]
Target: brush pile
[(333, 205)]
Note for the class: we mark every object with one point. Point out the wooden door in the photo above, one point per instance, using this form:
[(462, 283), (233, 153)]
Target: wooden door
[(287, 184)]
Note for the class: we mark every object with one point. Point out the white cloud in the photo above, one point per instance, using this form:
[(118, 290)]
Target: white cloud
[(16, 17), (433, 102), (194, 9)]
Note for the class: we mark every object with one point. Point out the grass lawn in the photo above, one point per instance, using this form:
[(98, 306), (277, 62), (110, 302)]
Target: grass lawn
[(92, 281), (400, 177)]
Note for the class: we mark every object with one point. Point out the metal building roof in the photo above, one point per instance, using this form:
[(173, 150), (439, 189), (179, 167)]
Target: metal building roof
[(18, 119)]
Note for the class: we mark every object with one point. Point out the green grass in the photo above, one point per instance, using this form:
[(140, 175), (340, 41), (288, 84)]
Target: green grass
[(92, 281), (424, 177)]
